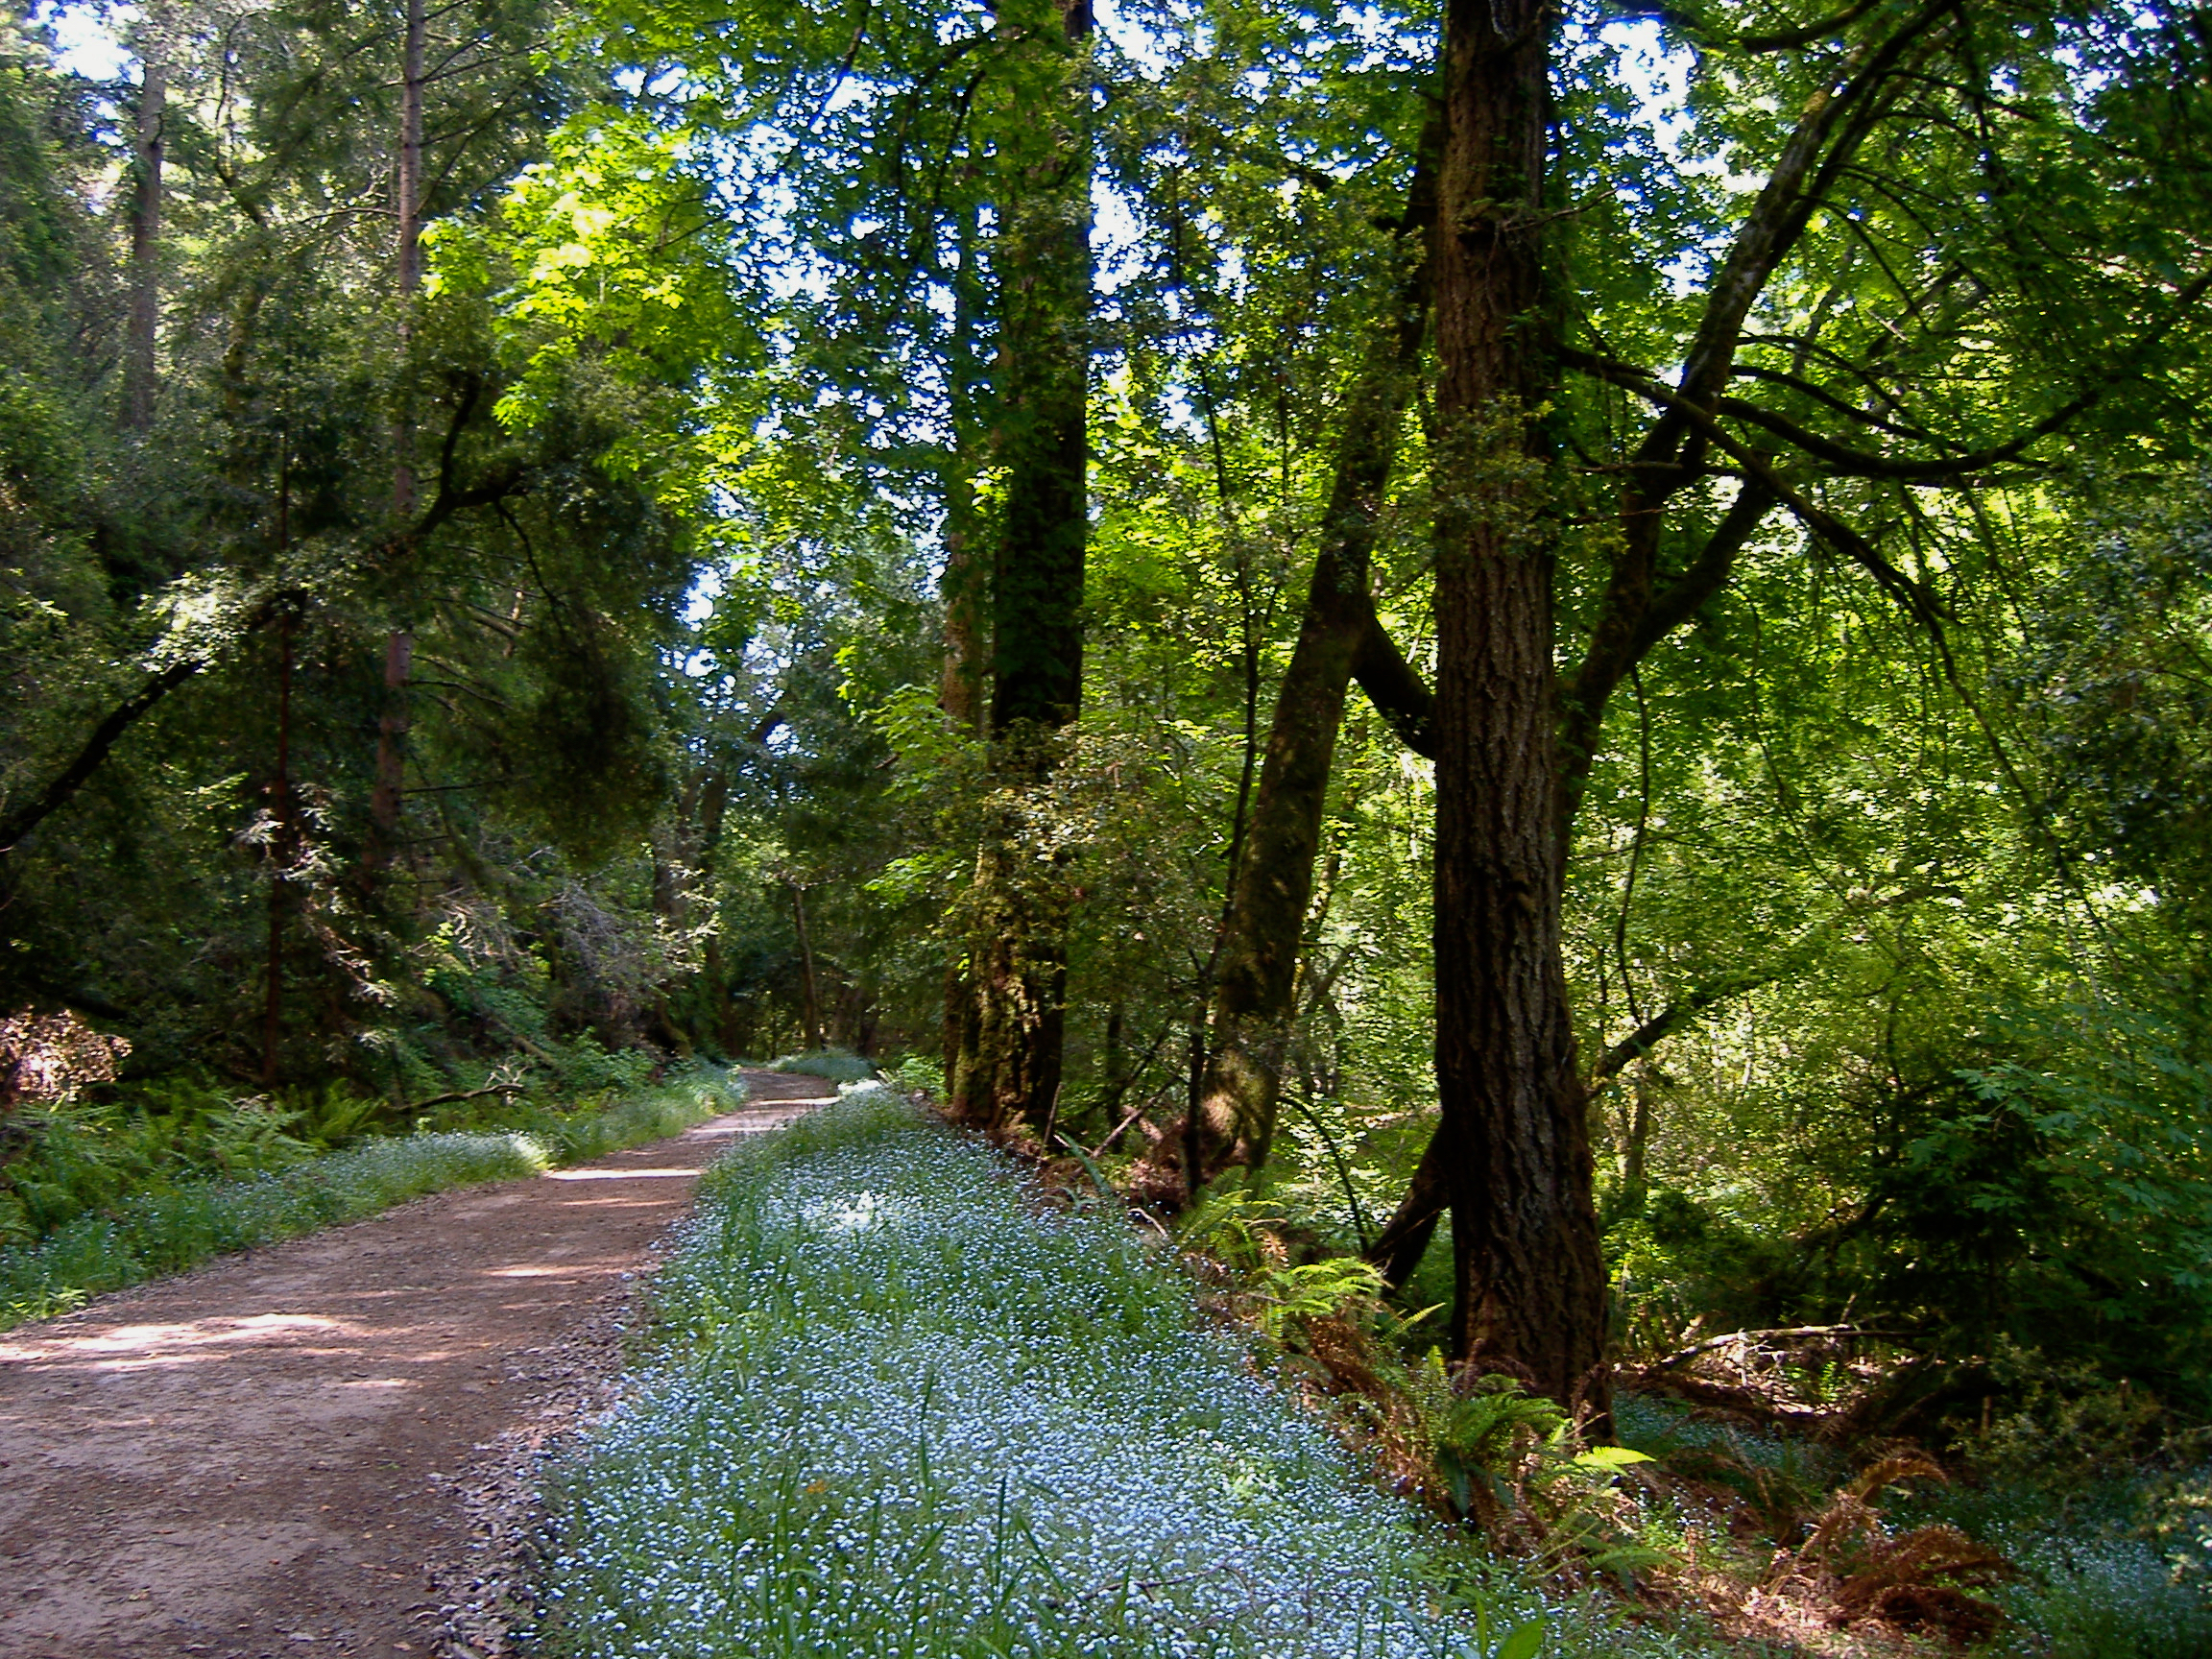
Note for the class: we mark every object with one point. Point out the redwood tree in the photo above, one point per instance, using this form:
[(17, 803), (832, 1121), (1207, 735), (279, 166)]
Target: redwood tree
[(1006, 1056), (1528, 1280), (1913, 138)]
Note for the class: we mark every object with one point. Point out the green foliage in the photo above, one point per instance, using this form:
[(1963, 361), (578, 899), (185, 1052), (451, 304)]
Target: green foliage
[(833, 1064), (67, 1158), (1312, 1290), (2066, 1426), (168, 1229), (1482, 1437), (1230, 1223), (916, 1074), (537, 577)]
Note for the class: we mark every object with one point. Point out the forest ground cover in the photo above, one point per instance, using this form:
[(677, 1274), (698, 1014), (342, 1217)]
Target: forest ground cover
[(899, 1404), (157, 1219), (1818, 1546), (285, 1442), (1753, 1504)]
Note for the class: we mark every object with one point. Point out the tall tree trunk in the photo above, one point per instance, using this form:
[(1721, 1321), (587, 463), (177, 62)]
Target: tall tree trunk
[(387, 797), (1018, 948), (1397, 1250), (407, 259), (966, 586), (811, 1005), (966, 591), (139, 364), (1528, 1279), (281, 855), (1234, 1120), (1043, 433)]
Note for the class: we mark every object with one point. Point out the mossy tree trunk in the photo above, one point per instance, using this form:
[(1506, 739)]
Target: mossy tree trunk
[(1338, 638), (1007, 1049), (1528, 1278)]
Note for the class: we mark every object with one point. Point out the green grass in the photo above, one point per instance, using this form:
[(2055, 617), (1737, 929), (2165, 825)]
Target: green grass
[(898, 1408), (170, 1226), (837, 1065)]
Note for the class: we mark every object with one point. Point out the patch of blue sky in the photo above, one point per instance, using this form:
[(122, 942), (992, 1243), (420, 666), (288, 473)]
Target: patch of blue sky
[(1153, 38), (88, 41), (1121, 248)]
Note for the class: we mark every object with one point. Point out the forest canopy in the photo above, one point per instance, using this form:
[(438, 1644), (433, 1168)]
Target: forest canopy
[(1575, 632)]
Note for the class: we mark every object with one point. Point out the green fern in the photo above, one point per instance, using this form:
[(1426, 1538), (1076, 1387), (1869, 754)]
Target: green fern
[(1481, 1438), (1230, 1223), (1318, 1291)]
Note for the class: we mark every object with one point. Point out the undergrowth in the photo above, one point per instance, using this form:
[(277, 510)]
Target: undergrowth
[(2109, 1523), (2011, 1544), (167, 1222), (2076, 1526), (901, 1406), (836, 1065)]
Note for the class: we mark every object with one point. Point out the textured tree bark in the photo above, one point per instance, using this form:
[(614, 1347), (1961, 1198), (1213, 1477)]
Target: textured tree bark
[(1528, 1279), (965, 589), (139, 362), (1017, 958), (965, 592), (1397, 1250), (386, 794), (407, 206), (966, 586), (1233, 1118), (1043, 434), (1012, 1073), (811, 1006)]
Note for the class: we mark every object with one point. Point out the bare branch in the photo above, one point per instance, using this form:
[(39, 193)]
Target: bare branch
[(104, 737)]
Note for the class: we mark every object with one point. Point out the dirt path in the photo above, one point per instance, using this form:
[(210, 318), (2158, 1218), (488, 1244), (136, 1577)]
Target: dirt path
[(257, 1458)]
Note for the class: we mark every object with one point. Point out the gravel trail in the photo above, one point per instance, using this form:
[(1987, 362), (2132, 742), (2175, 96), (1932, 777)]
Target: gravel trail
[(283, 1452)]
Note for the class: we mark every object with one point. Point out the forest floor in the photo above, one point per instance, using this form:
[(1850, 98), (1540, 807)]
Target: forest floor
[(274, 1454)]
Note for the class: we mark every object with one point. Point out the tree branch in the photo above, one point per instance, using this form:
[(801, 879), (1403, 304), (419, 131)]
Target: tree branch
[(1795, 955), (1396, 688), (460, 1094), (104, 737), (1796, 1331), (1833, 125), (1632, 622), (1864, 464), (1820, 393), (1670, 1020), (1788, 39), (1707, 575)]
